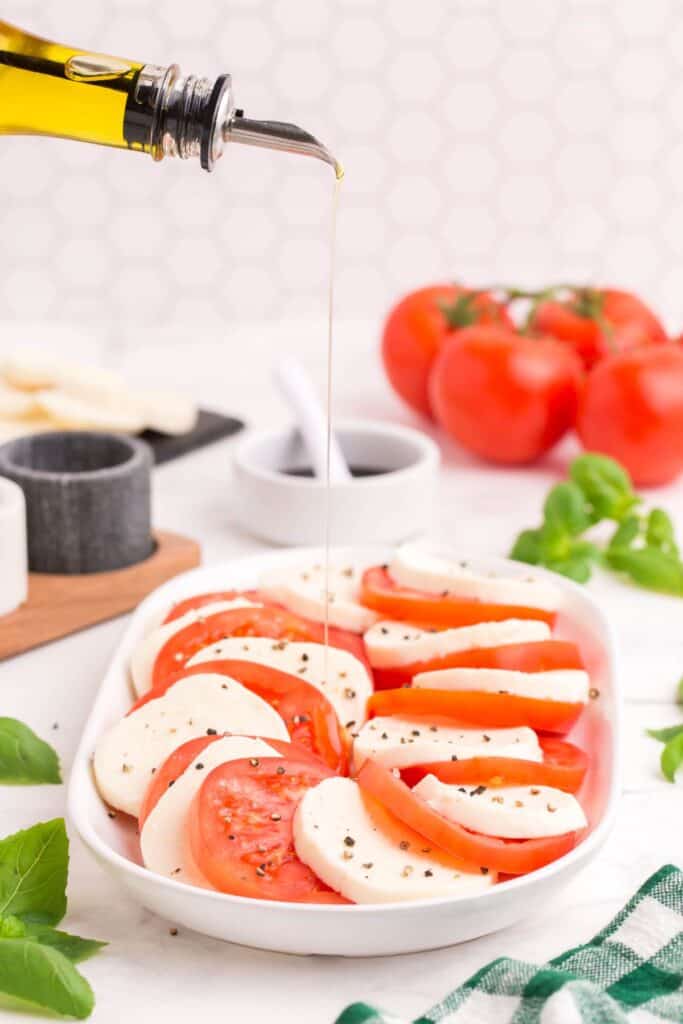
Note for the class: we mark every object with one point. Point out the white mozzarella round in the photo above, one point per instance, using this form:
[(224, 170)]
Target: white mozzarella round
[(15, 404), (39, 370), (570, 685), (360, 851), (145, 654), (76, 412), (392, 644), (301, 589), (508, 812), (402, 742), (163, 839), (338, 674), (166, 412), (420, 568), (129, 753)]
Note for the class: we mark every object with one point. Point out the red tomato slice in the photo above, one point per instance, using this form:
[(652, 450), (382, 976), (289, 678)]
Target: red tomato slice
[(512, 856), (172, 768), (383, 595), (177, 763), (564, 767), (240, 828), (471, 707), (311, 720), (199, 601), (539, 656), (271, 622)]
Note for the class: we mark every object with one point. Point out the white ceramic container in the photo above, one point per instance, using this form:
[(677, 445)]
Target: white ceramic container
[(353, 930), (13, 547), (385, 508)]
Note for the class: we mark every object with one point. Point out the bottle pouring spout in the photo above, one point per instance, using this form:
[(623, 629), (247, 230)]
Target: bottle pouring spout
[(279, 135)]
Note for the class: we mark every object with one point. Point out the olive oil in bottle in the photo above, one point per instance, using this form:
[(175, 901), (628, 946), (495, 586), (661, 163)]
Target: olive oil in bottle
[(47, 88)]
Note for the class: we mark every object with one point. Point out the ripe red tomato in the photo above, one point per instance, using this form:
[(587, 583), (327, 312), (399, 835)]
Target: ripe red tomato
[(632, 409), (240, 828), (417, 328), (504, 396), (596, 322)]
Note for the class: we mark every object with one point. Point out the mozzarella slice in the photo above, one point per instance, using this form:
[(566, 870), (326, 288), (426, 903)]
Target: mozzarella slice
[(401, 742), (166, 412), (509, 812), (390, 644), (561, 684), (38, 370), (129, 753), (145, 654), (360, 851), (302, 591), (15, 404), (76, 412), (163, 840), (418, 567), (338, 674)]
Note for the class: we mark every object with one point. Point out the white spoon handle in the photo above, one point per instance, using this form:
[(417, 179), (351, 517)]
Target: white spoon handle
[(299, 393)]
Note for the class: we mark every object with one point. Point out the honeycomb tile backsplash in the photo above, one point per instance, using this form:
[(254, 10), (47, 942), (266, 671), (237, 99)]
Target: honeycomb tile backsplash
[(496, 141)]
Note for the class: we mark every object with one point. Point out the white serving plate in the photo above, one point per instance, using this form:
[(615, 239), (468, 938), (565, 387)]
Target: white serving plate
[(371, 930)]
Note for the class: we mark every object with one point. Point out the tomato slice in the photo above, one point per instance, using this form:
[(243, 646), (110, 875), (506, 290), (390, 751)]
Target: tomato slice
[(183, 756), (271, 622), (383, 595), (539, 656), (240, 828), (512, 856), (471, 707), (564, 767), (311, 720), (167, 773), (190, 604)]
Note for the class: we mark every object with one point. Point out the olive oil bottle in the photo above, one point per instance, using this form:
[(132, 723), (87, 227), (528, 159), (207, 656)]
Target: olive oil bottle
[(47, 88)]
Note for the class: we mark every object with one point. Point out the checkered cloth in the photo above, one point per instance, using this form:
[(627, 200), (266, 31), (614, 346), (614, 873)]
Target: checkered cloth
[(630, 973)]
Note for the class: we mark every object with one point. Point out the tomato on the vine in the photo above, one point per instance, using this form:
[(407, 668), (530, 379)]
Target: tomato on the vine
[(418, 327), (597, 321), (632, 409), (507, 397)]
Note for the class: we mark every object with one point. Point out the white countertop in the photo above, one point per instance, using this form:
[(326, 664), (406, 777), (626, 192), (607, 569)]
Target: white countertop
[(145, 968)]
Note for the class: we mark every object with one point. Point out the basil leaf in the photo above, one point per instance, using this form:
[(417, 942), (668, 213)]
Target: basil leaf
[(626, 532), (33, 870), (527, 547), (555, 543), (648, 567), (565, 509), (679, 691), (73, 947), (12, 928), (660, 533), (605, 484), (577, 569), (672, 757), (665, 734), (24, 758), (43, 977)]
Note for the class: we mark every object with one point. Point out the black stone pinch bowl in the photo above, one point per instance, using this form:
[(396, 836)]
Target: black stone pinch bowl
[(87, 499)]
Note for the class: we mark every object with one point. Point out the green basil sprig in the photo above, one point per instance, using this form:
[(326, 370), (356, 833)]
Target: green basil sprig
[(25, 760), (36, 960), (642, 547)]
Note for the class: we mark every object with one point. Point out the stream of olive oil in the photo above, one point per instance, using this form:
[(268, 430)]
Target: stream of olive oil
[(338, 177)]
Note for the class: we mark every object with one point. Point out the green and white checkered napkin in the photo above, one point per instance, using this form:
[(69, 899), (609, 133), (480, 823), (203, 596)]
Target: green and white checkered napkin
[(630, 973)]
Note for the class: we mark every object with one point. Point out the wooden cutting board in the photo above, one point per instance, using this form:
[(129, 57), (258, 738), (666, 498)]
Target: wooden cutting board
[(59, 605)]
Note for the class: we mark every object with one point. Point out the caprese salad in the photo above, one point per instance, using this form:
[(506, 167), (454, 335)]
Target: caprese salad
[(420, 753)]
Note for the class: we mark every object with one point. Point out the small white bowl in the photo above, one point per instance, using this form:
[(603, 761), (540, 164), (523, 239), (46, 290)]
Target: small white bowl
[(277, 505), (13, 547)]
